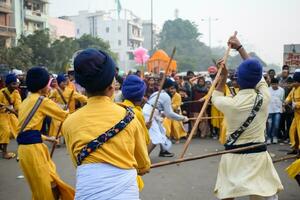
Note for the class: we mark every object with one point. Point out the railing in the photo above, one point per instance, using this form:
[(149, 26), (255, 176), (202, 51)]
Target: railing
[(7, 31)]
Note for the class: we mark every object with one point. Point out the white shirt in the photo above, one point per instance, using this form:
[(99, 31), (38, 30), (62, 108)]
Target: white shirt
[(277, 98)]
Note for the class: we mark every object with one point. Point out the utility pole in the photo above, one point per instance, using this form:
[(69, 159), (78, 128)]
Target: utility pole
[(151, 25), (209, 28)]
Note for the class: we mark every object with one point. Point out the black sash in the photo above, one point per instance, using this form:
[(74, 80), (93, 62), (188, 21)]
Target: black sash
[(104, 137), (7, 98), (233, 137)]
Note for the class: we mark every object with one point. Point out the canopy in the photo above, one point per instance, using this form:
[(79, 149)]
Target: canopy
[(159, 62)]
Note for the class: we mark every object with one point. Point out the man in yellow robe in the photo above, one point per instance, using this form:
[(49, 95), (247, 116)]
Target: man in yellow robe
[(175, 129), (294, 99), (65, 98), (34, 159), (104, 139), (133, 90), (10, 99)]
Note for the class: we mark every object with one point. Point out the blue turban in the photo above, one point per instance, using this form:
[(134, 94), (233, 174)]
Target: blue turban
[(168, 83), (37, 78), (94, 70), (133, 88), (61, 78), (249, 73), (296, 76), (10, 78)]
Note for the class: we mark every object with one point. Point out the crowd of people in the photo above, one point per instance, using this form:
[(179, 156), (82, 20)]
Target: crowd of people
[(90, 104)]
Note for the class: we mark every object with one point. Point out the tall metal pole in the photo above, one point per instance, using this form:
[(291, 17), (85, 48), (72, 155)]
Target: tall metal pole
[(210, 20), (209, 31), (151, 25)]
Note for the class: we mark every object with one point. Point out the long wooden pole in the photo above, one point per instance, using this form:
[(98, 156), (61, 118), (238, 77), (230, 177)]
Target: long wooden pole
[(286, 158), (219, 117), (162, 84), (180, 160), (203, 109)]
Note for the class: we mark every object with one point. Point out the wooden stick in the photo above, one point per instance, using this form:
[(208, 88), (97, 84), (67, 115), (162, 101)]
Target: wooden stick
[(218, 117), (286, 158), (180, 160), (162, 84), (9, 109), (208, 96)]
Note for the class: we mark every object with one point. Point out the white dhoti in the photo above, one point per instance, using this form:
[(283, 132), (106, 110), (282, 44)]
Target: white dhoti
[(157, 131), (100, 181)]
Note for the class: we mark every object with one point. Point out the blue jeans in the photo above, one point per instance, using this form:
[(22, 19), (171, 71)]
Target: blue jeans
[(273, 125)]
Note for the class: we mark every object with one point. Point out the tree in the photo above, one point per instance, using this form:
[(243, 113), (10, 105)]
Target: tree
[(88, 41), (191, 53), (62, 51), (40, 44)]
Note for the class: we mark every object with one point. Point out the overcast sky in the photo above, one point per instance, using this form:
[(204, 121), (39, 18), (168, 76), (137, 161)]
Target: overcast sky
[(264, 26)]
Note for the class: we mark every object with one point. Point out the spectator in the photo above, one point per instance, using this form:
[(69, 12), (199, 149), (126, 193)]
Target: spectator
[(288, 114), (118, 77), (187, 85), (198, 92), (272, 74), (151, 87), (283, 78), (275, 110)]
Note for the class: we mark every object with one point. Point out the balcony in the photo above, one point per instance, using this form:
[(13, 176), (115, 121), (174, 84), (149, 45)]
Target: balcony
[(36, 16), (5, 7), (7, 31), (136, 38)]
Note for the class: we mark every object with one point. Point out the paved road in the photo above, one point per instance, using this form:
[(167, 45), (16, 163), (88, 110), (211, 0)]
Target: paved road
[(190, 181)]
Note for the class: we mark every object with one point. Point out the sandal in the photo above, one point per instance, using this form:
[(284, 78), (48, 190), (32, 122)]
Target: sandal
[(9, 155)]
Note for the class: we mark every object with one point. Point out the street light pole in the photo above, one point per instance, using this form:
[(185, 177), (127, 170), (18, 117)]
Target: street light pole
[(209, 28), (151, 25)]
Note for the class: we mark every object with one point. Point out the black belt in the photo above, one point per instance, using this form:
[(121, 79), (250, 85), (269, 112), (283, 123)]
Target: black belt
[(258, 149), (29, 137)]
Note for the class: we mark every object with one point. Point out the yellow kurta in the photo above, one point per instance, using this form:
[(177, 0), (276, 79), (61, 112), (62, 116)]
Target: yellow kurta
[(34, 159), (127, 150), (54, 126), (294, 96), (174, 129), (245, 174), (294, 169), (8, 121), (66, 94), (139, 115)]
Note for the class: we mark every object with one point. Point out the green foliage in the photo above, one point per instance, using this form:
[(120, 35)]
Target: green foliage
[(191, 53), (88, 41), (39, 49)]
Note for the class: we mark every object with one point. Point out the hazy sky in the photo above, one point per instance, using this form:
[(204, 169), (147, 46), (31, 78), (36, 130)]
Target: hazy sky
[(264, 26)]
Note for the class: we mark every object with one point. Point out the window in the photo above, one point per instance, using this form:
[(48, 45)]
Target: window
[(130, 56), (107, 29), (119, 42), (78, 31), (119, 29)]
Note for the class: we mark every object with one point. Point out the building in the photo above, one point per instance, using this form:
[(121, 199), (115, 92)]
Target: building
[(7, 29), (147, 35), (35, 15), (123, 31), (61, 28)]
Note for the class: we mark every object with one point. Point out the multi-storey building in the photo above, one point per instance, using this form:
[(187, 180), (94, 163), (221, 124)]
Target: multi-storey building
[(122, 30), (35, 15), (7, 29), (148, 38)]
